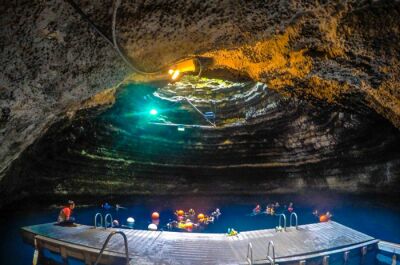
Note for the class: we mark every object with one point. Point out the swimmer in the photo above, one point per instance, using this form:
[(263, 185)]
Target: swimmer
[(315, 213), (207, 220), (290, 207), (216, 213), (210, 219), (189, 225), (277, 205), (328, 214), (117, 207), (172, 224), (191, 212), (323, 218), (257, 209), (268, 209), (106, 206), (272, 211)]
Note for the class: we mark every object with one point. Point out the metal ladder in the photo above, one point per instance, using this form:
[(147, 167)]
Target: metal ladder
[(106, 224), (280, 223), (106, 243), (269, 258), (249, 257), (295, 218), (95, 220)]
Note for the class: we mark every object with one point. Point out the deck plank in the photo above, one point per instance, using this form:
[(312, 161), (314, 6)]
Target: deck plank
[(156, 247)]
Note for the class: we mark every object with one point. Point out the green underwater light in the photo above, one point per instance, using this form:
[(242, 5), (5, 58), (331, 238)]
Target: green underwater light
[(153, 112)]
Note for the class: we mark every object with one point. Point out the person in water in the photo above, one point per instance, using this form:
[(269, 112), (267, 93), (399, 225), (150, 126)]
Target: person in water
[(172, 224), (216, 213), (64, 217), (106, 206), (270, 209), (290, 207), (329, 215), (210, 219), (257, 210), (191, 212), (207, 220), (117, 207), (325, 217)]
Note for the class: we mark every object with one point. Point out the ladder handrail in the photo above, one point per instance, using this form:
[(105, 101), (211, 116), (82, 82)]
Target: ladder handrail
[(105, 220), (296, 218), (272, 260), (250, 253), (106, 243), (95, 220), (284, 221)]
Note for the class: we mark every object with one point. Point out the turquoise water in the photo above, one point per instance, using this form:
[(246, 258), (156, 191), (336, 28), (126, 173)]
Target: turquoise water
[(374, 217)]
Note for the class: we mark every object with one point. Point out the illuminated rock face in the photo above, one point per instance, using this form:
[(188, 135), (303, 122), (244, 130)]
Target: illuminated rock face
[(334, 66), (263, 143)]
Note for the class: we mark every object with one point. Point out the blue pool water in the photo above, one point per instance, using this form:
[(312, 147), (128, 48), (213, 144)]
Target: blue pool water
[(369, 215)]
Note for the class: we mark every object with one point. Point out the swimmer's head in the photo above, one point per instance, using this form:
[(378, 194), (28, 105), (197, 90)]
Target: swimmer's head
[(71, 204)]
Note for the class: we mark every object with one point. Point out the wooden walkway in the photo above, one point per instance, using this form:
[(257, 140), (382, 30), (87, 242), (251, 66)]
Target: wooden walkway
[(156, 247)]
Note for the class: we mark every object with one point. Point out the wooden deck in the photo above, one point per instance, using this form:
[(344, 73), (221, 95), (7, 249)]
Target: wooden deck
[(156, 247)]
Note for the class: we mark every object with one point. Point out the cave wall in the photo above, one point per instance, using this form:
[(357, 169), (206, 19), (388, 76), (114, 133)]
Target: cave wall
[(341, 55), (271, 144), (50, 62)]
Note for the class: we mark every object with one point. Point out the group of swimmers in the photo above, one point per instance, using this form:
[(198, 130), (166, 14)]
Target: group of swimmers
[(184, 220), (271, 208), (188, 221)]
